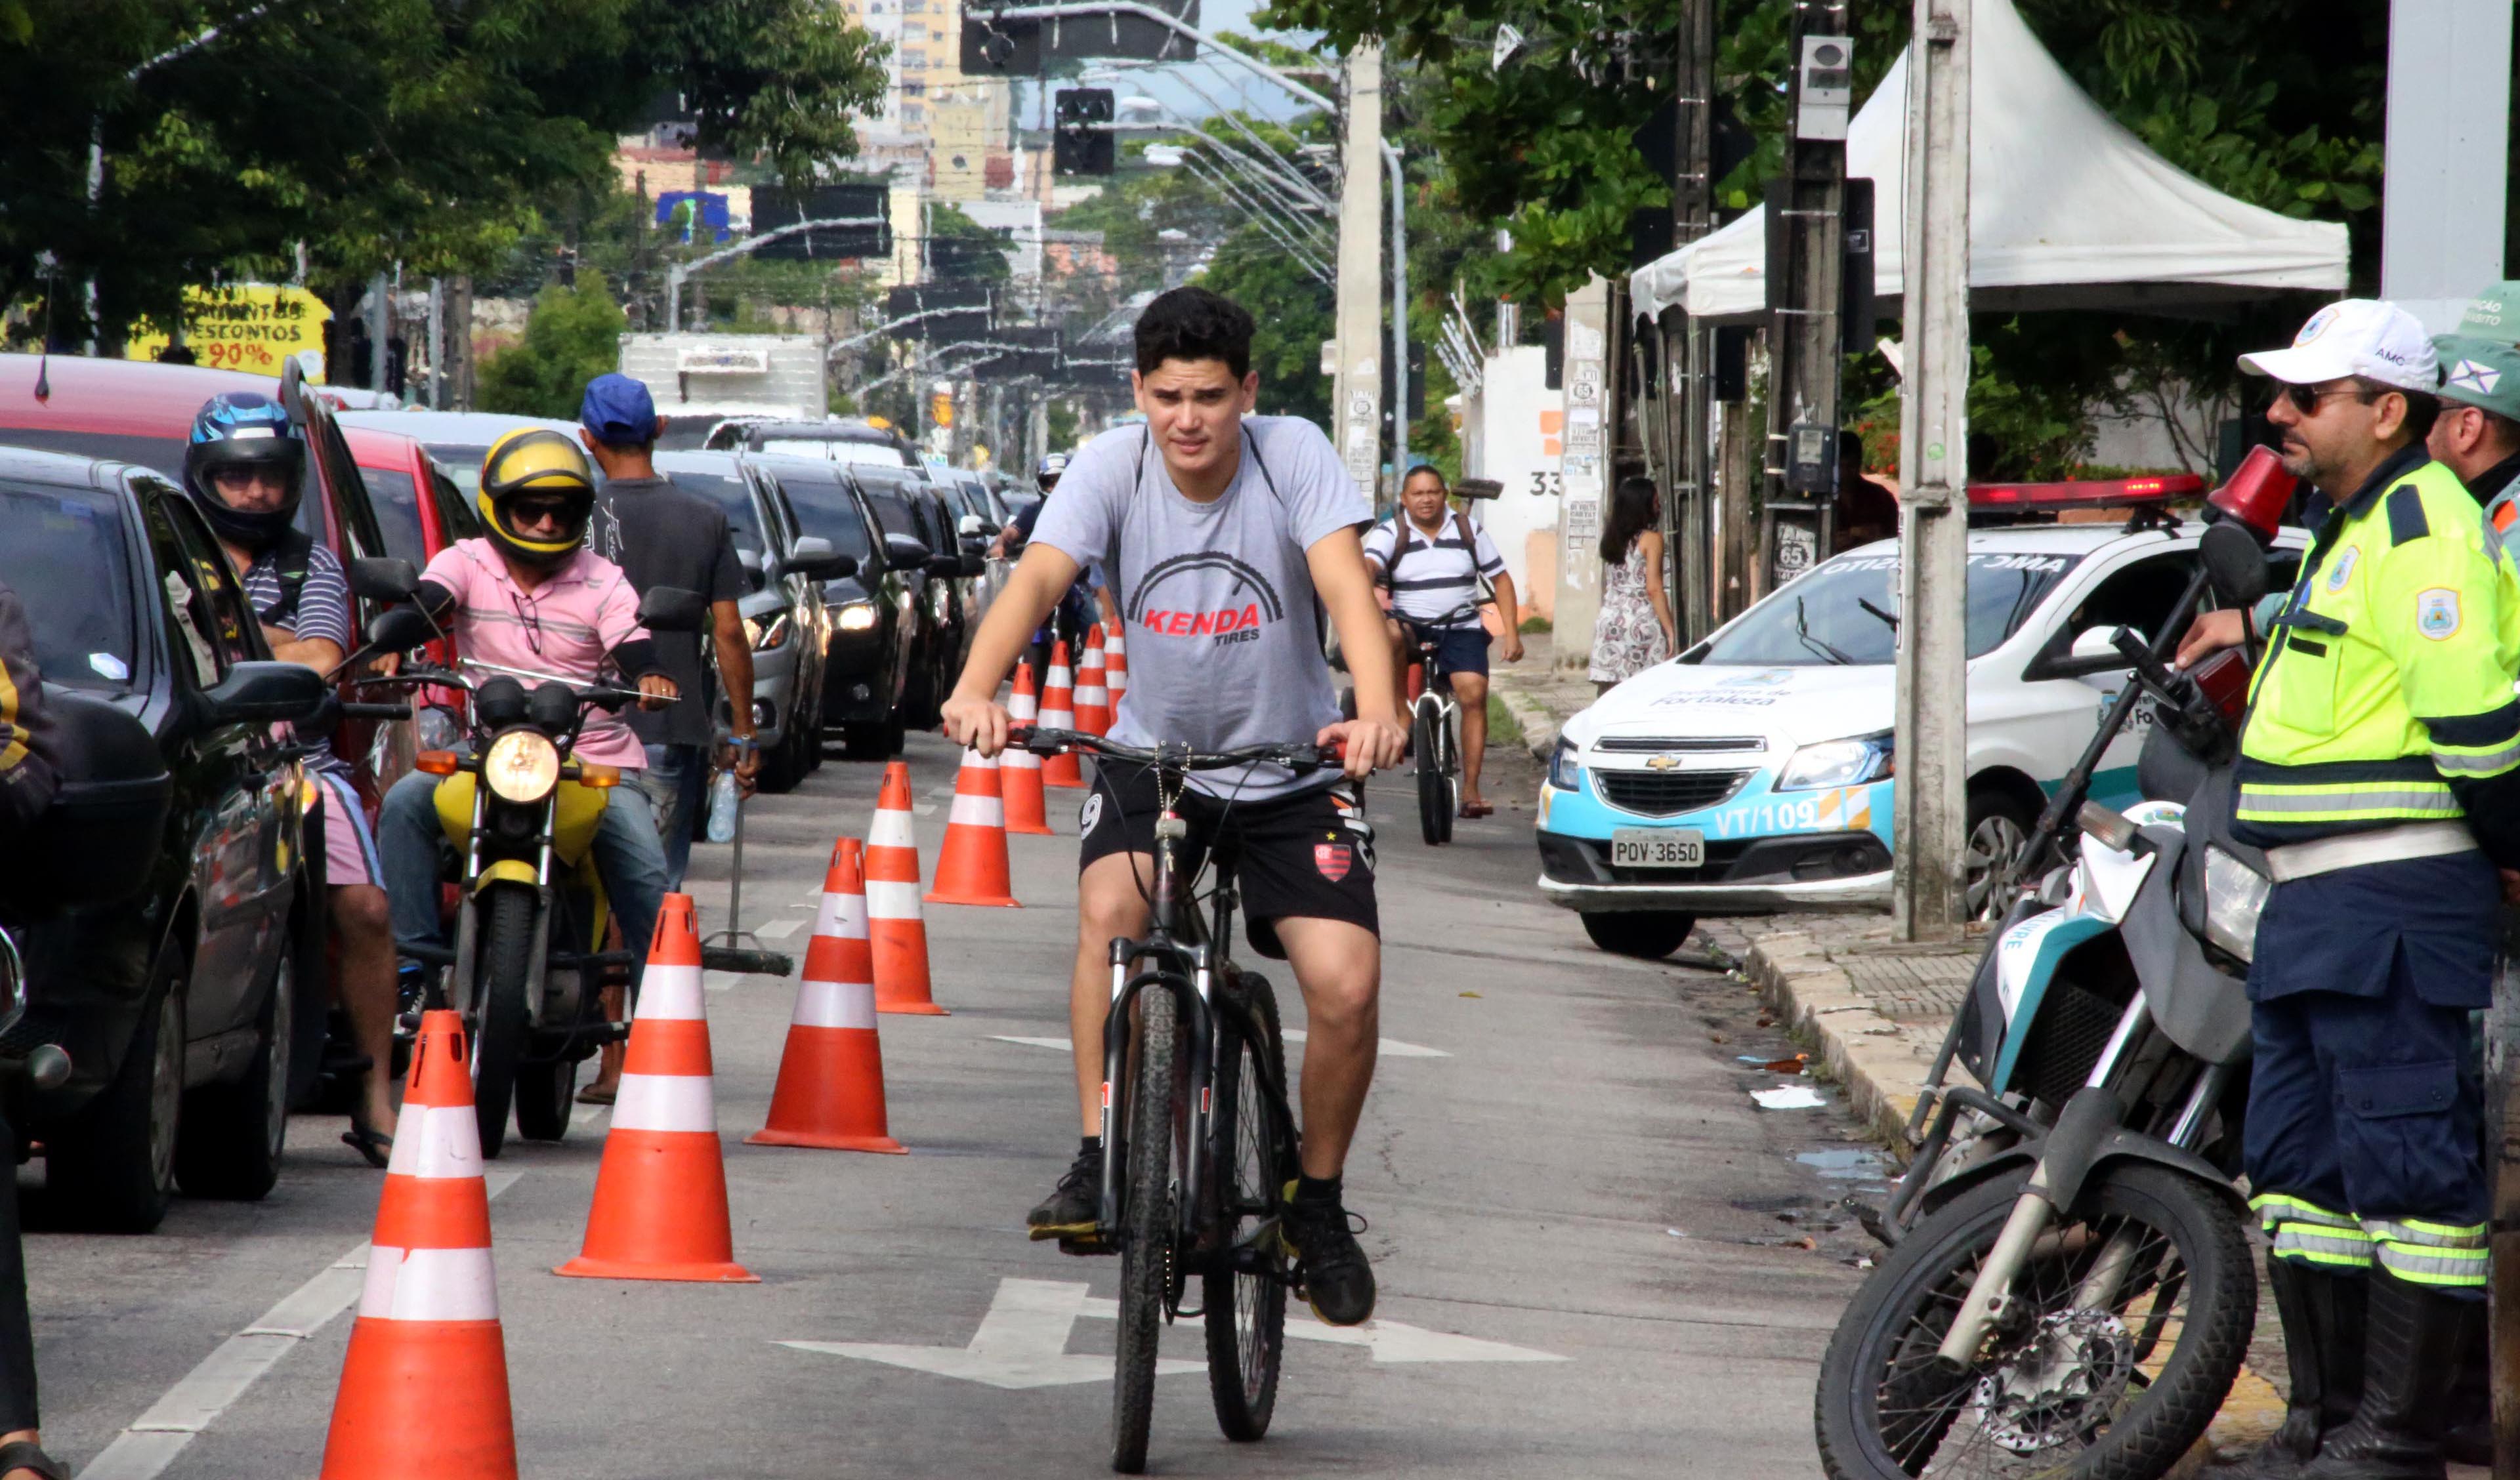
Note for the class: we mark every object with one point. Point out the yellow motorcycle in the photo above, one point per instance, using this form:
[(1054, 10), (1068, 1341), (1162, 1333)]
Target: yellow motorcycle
[(519, 814)]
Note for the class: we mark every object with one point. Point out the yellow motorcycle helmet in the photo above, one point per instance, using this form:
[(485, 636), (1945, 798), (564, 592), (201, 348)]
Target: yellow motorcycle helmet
[(537, 461)]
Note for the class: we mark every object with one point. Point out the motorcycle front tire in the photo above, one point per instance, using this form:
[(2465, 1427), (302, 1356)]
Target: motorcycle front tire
[(1921, 1277), (499, 987)]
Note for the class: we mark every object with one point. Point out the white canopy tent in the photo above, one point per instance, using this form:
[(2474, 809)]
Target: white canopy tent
[(2067, 208)]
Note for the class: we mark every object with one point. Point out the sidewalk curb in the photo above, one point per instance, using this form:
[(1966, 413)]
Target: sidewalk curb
[(1539, 724), (1879, 1060)]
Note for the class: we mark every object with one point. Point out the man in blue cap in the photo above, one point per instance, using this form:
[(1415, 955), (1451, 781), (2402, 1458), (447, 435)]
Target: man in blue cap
[(660, 535)]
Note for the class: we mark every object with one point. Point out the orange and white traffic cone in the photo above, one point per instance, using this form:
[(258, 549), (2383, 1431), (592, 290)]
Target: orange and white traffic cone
[(659, 1208), (1059, 712), (830, 1076), (1019, 769), (1116, 664), (898, 931), (1092, 700), (973, 869), (424, 1386)]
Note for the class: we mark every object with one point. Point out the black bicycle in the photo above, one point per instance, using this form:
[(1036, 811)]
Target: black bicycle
[(1198, 1144), (1435, 733)]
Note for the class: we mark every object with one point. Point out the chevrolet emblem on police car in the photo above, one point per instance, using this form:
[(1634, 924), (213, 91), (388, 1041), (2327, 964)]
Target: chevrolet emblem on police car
[(1662, 763)]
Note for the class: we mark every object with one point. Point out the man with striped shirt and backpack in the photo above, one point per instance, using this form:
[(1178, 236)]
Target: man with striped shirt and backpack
[(1439, 569)]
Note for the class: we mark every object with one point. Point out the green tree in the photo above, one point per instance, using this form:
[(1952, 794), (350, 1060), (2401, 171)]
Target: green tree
[(963, 250), (1294, 311), (572, 336)]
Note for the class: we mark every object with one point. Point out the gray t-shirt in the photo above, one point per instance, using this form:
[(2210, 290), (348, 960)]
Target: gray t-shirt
[(1225, 637)]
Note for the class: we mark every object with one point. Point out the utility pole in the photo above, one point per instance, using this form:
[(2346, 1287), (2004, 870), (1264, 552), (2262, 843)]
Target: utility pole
[(1928, 805), (1357, 391), (1806, 248), (1687, 348)]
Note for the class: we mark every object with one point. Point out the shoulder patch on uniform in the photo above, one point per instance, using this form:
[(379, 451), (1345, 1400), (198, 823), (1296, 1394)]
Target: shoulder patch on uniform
[(2343, 570), (2437, 612), (2406, 514)]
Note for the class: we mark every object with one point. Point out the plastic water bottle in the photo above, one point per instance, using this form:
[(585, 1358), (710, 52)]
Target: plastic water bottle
[(722, 801)]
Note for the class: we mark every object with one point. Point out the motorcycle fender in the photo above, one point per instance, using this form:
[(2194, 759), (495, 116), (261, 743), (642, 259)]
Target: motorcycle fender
[(2118, 1145), (454, 798), (505, 871)]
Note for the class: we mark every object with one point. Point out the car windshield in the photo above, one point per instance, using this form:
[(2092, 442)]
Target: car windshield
[(839, 450), (826, 511), (396, 500), (1847, 610), (62, 550), (733, 495)]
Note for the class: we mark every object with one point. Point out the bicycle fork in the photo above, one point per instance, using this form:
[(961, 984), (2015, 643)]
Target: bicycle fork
[(1195, 1007)]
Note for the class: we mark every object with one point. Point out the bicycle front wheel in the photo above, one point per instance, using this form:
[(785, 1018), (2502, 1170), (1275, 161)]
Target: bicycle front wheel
[(1430, 739), (1147, 1253), (1245, 1284)]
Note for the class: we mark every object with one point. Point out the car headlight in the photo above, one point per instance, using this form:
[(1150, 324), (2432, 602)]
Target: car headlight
[(522, 766), (857, 616), (1838, 763), (1565, 771), (2235, 894), (435, 727), (765, 637)]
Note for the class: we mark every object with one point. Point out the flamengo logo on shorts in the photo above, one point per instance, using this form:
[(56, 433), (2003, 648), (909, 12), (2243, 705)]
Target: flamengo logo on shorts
[(1332, 859), (1249, 601)]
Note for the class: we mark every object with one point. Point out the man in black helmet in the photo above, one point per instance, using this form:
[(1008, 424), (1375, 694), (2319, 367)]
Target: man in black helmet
[(245, 467)]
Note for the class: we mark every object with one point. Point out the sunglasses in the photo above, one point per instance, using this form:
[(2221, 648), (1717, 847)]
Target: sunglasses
[(526, 516), (2306, 398)]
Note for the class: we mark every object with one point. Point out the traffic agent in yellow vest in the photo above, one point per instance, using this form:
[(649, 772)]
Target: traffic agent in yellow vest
[(2386, 698)]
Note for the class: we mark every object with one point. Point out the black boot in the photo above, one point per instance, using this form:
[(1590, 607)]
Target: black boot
[(2323, 1332), (2411, 1362)]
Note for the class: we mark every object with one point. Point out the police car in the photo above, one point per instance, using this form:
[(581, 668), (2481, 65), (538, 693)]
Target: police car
[(1752, 774)]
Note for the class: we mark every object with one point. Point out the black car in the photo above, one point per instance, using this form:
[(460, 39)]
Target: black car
[(905, 504), (870, 653), (167, 911)]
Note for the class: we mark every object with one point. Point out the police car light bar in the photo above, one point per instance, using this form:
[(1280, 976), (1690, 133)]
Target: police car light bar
[(2085, 493)]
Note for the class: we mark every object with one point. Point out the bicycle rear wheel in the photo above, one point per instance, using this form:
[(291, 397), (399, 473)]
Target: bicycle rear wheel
[(1245, 1284), (1147, 1252), (1434, 787)]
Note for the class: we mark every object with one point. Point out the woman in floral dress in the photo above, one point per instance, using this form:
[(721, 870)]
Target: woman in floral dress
[(1634, 630)]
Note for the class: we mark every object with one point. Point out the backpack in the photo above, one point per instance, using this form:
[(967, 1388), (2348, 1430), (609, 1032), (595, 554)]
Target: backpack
[(1404, 526), (293, 560)]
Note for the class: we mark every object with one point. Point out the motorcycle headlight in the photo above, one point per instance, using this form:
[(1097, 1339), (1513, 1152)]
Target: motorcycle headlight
[(2235, 894), (522, 766), (1838, 763), (857, 616), (766, 638), (435, 727), (1565, 771)]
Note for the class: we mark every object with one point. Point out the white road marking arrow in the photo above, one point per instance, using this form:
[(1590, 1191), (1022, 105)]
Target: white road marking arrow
[(1021, 1343), (1060, 1043), (1389, 1340)]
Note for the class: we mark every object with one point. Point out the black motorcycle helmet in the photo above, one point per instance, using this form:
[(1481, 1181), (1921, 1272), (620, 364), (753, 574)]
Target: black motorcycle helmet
[(241, 428)]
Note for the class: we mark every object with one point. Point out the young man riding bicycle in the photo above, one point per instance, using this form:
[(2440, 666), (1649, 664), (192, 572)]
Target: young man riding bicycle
[(1224, 538)]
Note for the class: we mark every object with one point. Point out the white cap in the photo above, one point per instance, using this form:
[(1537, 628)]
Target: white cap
[(2353, 337)]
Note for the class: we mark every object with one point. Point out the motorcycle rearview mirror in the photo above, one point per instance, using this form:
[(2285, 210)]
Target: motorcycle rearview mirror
[(2236, 565), (671, 608), (384, 580), (400, 629)]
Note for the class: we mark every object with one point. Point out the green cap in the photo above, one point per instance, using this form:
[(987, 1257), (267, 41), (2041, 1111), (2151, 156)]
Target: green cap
[(2481, 362)]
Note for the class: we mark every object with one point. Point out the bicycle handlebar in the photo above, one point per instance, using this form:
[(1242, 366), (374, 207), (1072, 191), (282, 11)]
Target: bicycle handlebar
[(1292, 755)]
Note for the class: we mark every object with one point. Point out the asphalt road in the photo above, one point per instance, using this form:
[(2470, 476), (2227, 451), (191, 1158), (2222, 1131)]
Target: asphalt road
[(1561, 1163)]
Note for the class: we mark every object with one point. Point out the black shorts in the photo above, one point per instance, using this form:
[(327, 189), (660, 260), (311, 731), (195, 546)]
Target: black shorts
[(1309, 856)]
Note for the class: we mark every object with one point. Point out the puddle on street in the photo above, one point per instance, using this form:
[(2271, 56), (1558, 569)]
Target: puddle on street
[(1847, 1164)]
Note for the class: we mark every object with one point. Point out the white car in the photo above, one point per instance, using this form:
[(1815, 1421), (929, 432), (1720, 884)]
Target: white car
[(1752, 774)]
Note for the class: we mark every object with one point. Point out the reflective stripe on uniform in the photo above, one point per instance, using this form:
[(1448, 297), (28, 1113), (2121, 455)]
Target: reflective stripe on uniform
[(2437, 1267), (2476, 745), (2367, 801), (2314, 1243), (2273, 1208)]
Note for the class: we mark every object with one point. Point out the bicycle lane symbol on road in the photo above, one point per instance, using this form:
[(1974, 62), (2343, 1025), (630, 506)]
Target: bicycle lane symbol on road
[(1022, 1341)]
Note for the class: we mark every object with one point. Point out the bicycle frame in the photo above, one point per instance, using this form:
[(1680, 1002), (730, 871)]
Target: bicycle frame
[(1183, 958)]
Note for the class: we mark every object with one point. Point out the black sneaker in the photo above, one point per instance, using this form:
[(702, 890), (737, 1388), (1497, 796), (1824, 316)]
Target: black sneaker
[(1073, 1209), (1329, 1265)]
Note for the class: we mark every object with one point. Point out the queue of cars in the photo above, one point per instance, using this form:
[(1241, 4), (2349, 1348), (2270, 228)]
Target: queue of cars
[(169, 911)]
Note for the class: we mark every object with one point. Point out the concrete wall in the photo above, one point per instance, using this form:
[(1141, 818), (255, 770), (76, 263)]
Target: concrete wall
[(1582, 462), (1513, 437)]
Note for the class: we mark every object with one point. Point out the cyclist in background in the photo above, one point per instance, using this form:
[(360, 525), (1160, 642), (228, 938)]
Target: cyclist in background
[(1439, 569), (1226, 536)]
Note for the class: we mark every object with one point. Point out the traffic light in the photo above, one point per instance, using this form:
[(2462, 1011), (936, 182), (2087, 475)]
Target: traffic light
[(1085, 145)]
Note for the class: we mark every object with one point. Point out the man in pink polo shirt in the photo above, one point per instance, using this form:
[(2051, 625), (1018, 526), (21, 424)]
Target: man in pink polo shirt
[(531, 595)]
